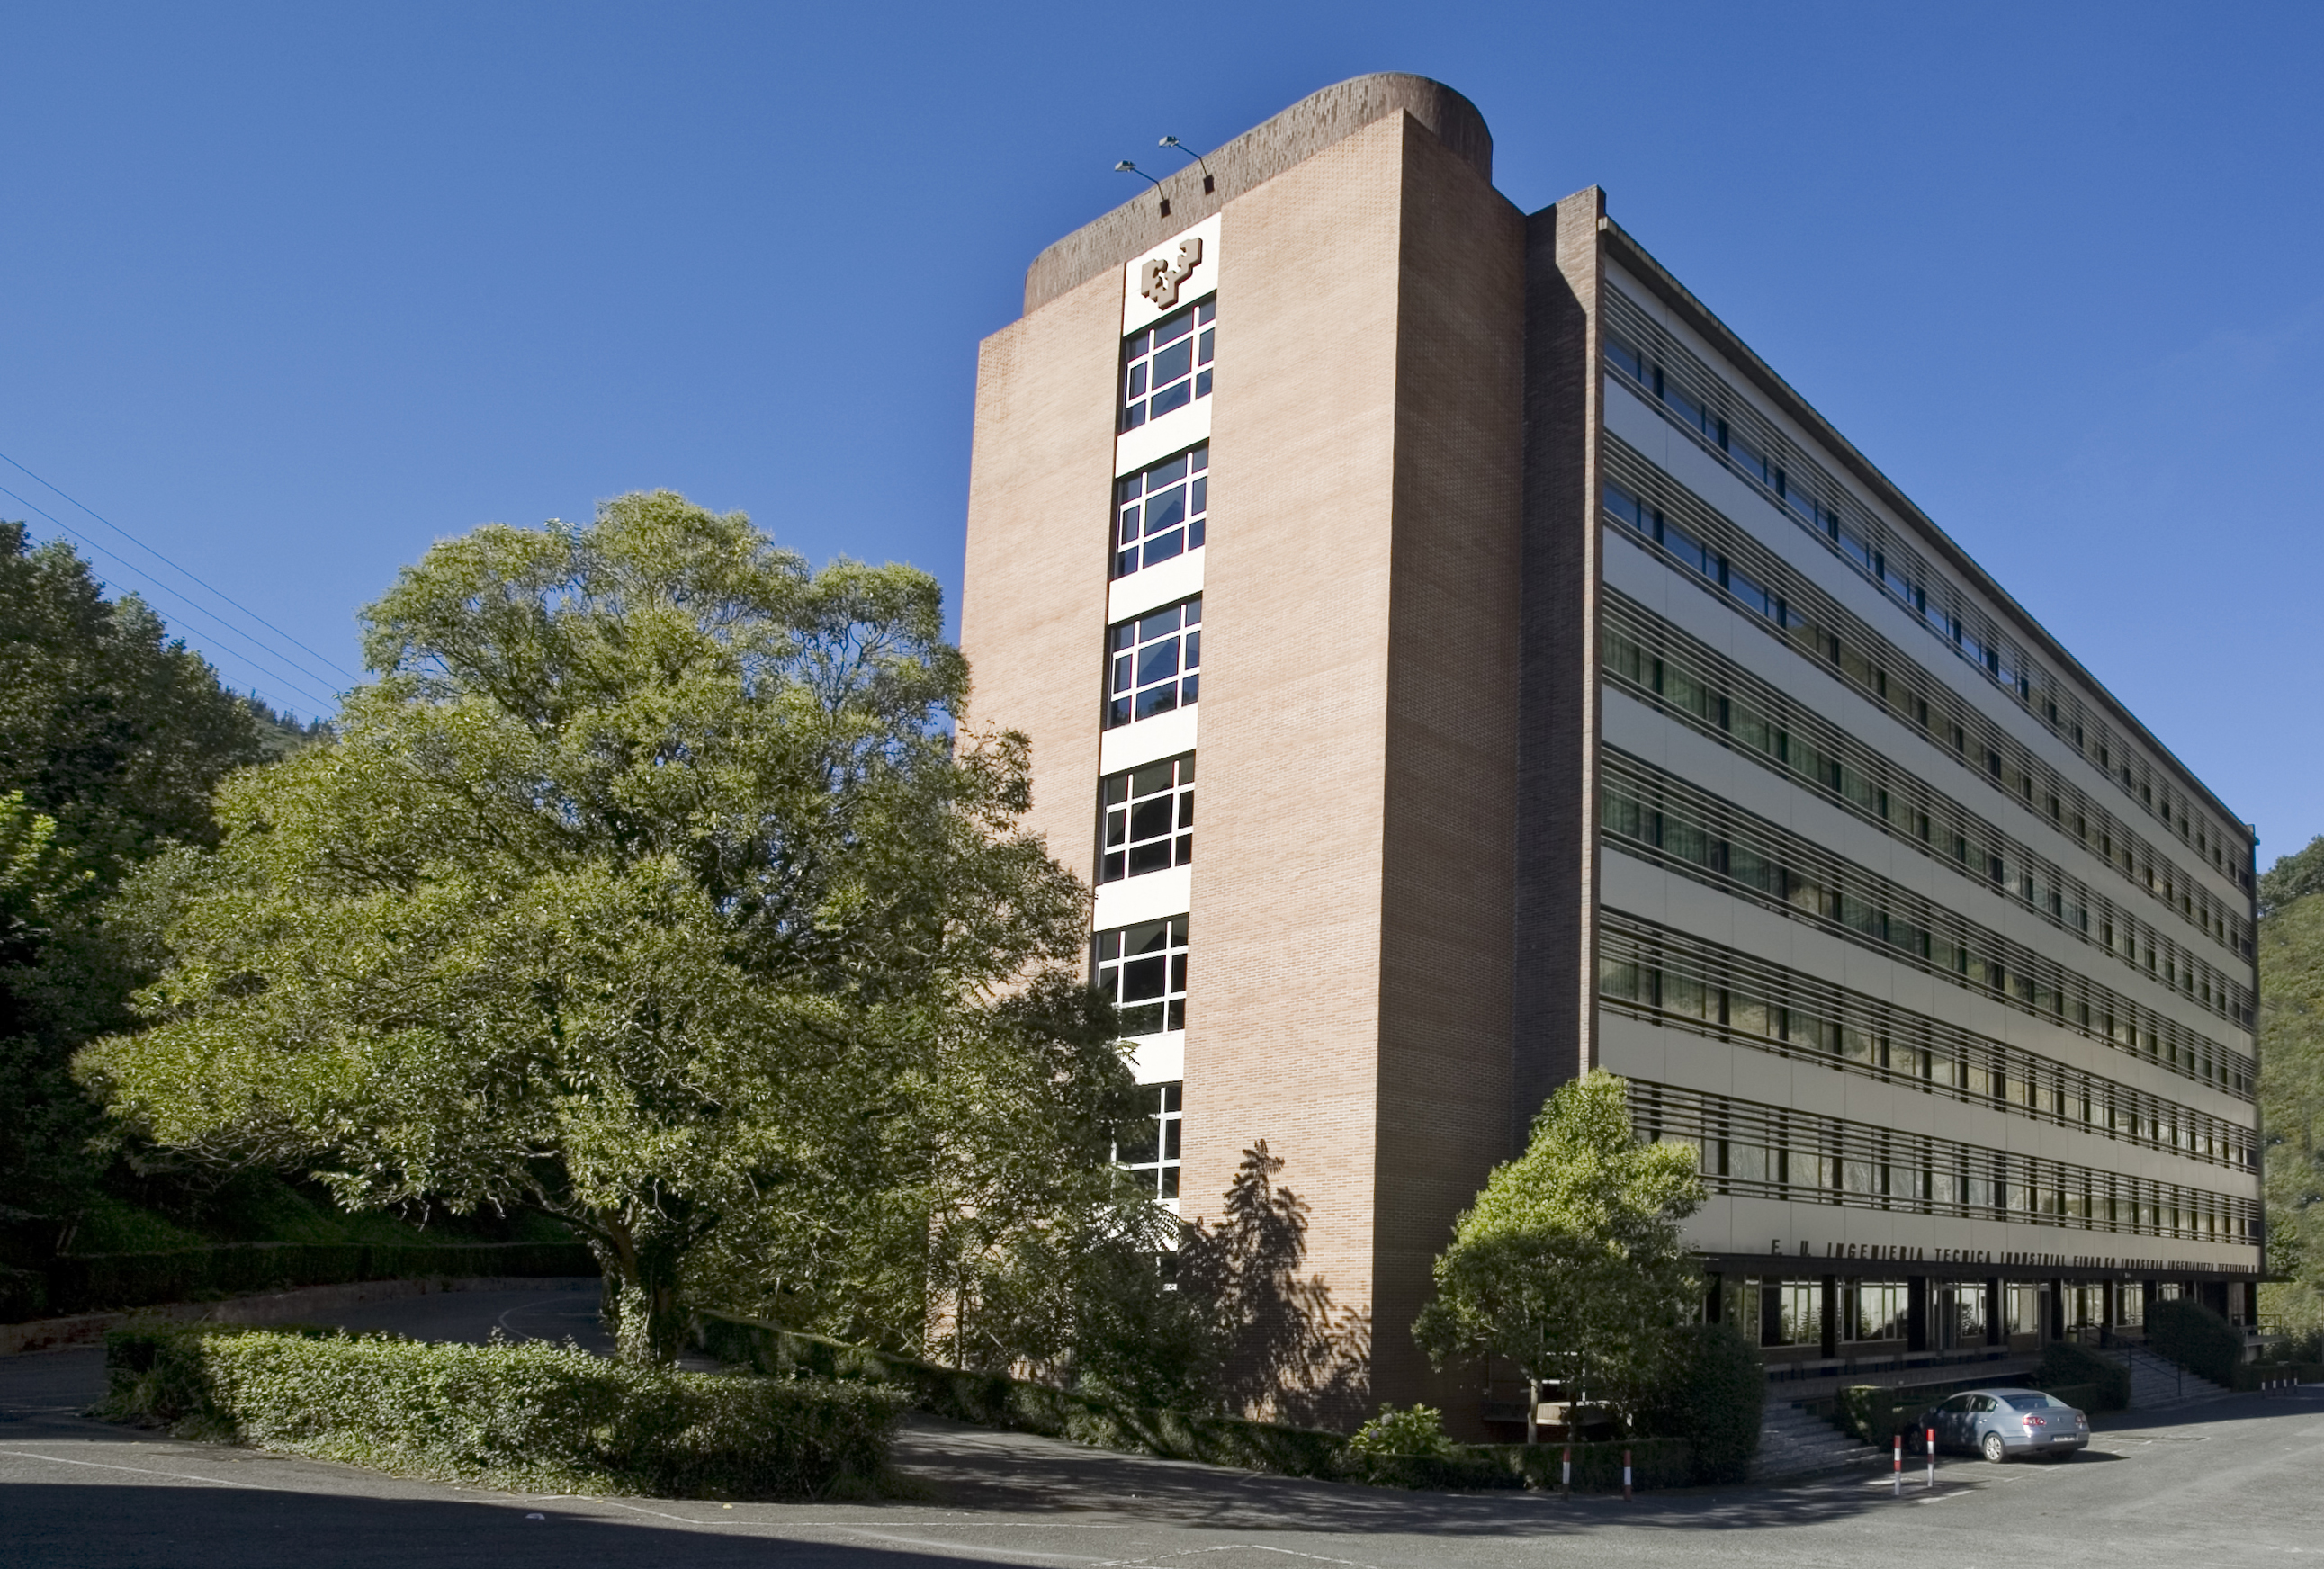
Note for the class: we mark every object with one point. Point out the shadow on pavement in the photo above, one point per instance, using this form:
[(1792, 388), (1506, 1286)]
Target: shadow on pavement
[(980, 1469), (117, 1526), (2196, 1413)]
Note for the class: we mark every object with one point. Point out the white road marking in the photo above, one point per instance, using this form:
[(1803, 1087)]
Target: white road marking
[(139, 1470)]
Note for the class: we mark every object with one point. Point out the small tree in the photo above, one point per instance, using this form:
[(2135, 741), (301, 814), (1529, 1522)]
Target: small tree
[(1570, 1264)]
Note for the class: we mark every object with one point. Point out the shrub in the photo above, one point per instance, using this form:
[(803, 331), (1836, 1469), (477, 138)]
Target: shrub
[(2067, 1365), (2083, 1397), (1876, 1414), (2185, 1332), (1714, 1399), (530, 1415), (1415, 1430), (2252, 1375)]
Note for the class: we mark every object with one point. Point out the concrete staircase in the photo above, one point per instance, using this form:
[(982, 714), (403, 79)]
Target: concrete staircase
[(1795, 1442), (2155, 1381)]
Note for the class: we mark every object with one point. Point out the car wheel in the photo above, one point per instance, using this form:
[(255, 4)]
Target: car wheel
[(1994, 1450)]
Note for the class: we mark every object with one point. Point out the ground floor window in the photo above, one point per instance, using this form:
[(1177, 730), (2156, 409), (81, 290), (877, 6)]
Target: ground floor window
[(2023, 1306), (1957, 1314), (1792, 1314), (1876, 1310), (2130, 1302)]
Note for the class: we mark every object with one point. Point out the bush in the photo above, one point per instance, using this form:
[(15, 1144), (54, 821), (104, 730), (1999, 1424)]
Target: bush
[(2307, 1349), (2185, 1332), (1878, 1414), (2065, 1365), (2252, 1375), (2083, 1397), (530, 1415), (1715, 1399), (1415, 1430)]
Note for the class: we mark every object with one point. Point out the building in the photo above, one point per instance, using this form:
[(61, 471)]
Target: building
[(1567, 692)]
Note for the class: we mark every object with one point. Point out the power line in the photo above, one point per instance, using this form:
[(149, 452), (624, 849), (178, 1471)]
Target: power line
[(198, 610), (157, 555)]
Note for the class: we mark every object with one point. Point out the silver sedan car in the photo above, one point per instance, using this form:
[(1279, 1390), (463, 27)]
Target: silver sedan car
[(2000, 1423)]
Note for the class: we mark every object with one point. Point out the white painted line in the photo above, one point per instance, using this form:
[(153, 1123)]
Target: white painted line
[(139, 1469)]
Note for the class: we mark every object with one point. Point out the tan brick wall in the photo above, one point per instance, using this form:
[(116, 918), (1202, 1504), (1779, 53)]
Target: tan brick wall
[(1284, 998), (1451, 821), (1032, 612), (1351, 913)]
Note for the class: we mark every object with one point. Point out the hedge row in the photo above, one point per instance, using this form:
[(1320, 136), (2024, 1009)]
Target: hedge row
[(2083, 1397), (527, 1415), (2183, 1331), (2252, 1375), (997, 1400), (2068, 1370), (106, 1281)]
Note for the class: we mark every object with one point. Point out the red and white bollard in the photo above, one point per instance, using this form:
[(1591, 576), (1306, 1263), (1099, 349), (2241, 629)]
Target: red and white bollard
[(1567, 1468), (1626, 1476), (1932, 1458), (1900, 1465)]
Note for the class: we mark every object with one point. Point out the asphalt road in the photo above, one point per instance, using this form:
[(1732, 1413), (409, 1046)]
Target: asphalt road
[(2234, 1482)]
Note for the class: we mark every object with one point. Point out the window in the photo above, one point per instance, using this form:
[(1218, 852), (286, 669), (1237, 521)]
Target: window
[(1161, 512), (1876, 1310), (1142, 971), (1799, 1314), (1168, 365), (1151, 1152), (1964, 1323), (1154, 663), (1147, 819)]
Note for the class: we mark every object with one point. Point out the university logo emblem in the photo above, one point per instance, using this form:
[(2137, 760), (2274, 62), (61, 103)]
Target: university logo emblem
[(1159, 280)]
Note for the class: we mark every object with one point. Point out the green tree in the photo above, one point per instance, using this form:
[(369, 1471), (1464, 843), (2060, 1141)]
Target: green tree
[(107, 725), (1571, 1264), (112, 737), (644, 887), (2292, 877), (2292, 1100)]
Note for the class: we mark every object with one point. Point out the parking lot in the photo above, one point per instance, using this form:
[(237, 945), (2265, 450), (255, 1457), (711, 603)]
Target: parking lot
[(2230, 1482)]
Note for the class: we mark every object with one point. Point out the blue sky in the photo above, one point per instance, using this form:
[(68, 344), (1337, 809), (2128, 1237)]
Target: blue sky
[(290, 293)]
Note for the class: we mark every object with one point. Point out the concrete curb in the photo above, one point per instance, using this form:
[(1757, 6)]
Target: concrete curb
[(273, 1307)]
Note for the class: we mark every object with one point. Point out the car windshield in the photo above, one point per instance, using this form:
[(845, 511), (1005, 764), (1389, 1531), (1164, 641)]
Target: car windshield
[(2029, 1402)]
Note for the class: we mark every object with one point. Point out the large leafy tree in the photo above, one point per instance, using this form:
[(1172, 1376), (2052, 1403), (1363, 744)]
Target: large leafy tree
[(645, 887), (112, 737), (1571, 1263)]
